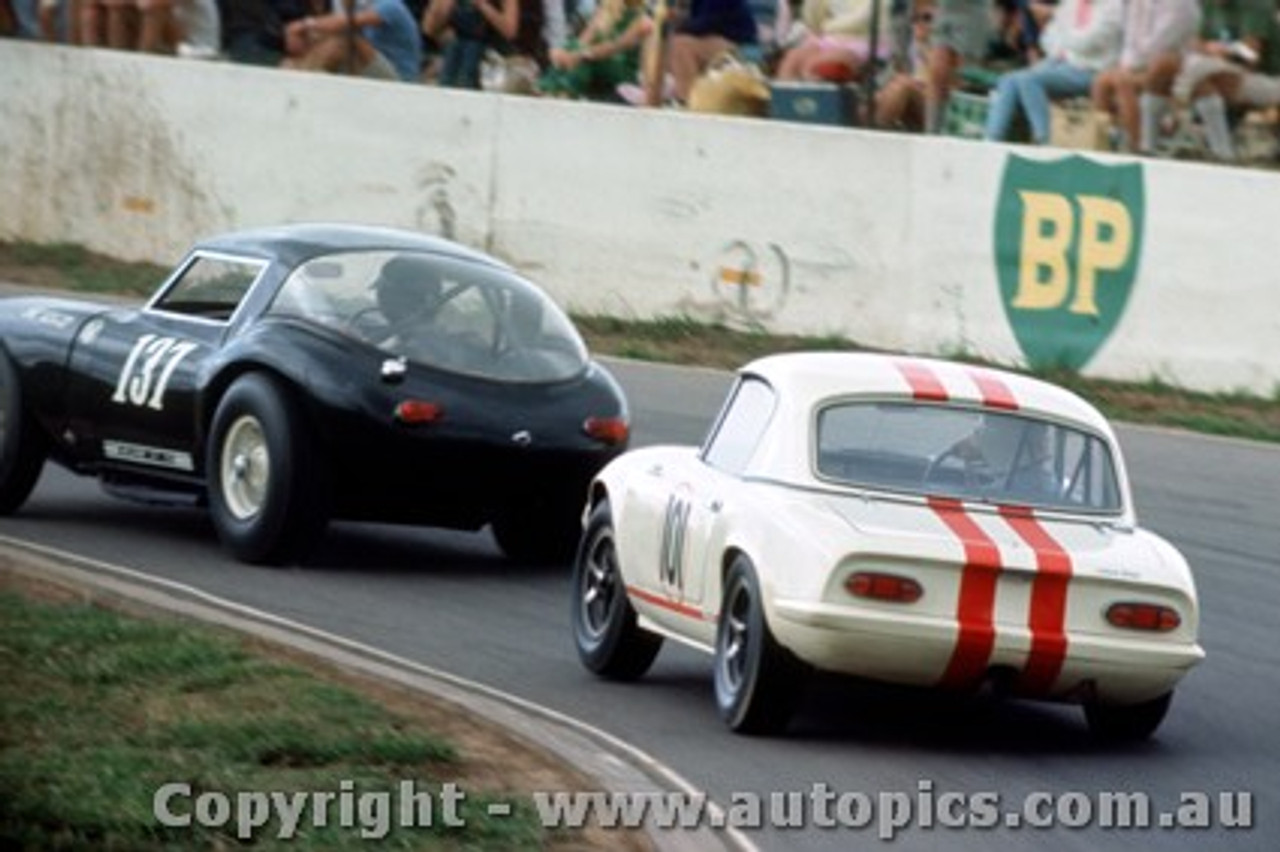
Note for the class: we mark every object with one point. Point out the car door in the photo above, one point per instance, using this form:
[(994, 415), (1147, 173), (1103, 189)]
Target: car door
[(681, 500), (714, 482), (135, 372)]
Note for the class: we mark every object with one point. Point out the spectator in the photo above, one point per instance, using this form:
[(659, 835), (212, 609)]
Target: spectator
[(1018, 30), (960, 32), (900, 102), (1156, 35), (200, 28), (21, 19), (1081, 39), (708, 29), (606, 54), (372, 38), (478, 26), (109, 23), (155, 27), (1234, 64), (253, 30), (555, 23), (833, 40)]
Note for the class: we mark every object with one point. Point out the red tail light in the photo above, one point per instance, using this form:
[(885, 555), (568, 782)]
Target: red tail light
[(613, 431), (883, 587), (1141, 616), (416, 412)]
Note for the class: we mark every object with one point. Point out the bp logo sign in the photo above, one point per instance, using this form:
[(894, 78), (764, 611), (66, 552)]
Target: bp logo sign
[(1068, 237)]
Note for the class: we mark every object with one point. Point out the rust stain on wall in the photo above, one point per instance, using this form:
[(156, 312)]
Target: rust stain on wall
[(135, 204)]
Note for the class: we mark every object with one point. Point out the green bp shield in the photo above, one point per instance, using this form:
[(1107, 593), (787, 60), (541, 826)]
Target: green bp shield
[(1068, 237)]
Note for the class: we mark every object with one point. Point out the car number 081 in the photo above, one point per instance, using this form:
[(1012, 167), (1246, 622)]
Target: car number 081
[(677, 520)]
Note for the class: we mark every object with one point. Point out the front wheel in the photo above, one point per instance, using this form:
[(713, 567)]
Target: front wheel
[(757, 680), (266, 491), (609, 640), (23, 446), (1126, 722)]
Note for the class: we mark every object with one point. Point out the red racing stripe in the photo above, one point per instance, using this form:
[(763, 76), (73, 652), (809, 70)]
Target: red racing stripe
[(924, 382), (975, 609), (995, 393), (1048, 616), (668, 604)]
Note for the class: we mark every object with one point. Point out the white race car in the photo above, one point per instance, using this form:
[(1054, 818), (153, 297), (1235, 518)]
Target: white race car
[(911, 521)]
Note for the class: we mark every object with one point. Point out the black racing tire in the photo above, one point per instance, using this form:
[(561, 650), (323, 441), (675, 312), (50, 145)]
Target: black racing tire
[(538, 534), (610, 642), (757, 680), (1121, 723), (23, 446), (266, 489)]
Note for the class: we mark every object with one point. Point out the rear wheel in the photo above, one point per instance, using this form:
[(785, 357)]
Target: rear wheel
[(1127, 722), (266, 490), (757, 680), (609, 640), (23, 447)]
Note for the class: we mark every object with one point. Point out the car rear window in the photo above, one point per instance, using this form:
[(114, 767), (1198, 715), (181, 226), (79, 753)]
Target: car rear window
[(970, 454), (440, 311)]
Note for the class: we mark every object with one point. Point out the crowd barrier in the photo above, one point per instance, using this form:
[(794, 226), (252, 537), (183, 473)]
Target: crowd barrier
[(1120, 268)]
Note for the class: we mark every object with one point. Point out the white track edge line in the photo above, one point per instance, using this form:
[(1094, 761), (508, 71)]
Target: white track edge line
[(621, 747)]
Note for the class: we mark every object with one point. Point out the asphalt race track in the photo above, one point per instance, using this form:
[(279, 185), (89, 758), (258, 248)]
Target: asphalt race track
[(450, 601)]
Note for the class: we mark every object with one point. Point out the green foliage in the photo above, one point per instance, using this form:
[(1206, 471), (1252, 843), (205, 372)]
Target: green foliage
[(98, 710)]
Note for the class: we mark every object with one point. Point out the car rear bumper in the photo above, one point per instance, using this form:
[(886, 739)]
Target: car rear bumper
[(914, 650)]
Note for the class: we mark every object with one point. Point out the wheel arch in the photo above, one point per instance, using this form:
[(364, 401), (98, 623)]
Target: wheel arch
[(216, 388), (597, 493)]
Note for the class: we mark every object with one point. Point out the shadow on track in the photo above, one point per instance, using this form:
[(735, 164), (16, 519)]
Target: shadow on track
[(345, 546), (888, 717)]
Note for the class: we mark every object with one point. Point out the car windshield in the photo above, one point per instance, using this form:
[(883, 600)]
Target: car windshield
[(443, 312), (940, 450)]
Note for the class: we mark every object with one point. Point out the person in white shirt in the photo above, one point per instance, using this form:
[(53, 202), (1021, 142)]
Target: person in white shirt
[(1082, 39), (1157, 33)]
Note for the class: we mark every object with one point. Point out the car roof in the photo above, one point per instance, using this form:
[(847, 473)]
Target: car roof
[(295, 243), (810, 378), (804, 382)]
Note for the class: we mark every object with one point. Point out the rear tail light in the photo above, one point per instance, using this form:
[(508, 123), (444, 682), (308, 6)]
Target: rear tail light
[(883, 587), (613, 431), (415, 412), (1143, 616)]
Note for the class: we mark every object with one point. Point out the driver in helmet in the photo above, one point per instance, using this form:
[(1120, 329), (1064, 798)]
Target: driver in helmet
[(408, 290), (1012, 453)]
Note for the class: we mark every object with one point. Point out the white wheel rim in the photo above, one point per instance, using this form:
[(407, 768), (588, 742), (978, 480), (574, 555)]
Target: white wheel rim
[(245, 468)]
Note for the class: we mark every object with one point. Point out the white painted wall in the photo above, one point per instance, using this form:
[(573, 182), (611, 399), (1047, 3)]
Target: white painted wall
[(888, 239)]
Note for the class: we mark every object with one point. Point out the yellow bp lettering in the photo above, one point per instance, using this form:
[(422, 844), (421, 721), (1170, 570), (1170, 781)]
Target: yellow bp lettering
[(1044, 278), (1106, 237), (1048, 231)]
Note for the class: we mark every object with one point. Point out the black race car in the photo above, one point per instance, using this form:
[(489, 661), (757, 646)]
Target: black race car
[(291, 375)]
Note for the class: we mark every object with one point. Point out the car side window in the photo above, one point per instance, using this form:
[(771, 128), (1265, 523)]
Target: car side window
[(210, 287), (741, 425)]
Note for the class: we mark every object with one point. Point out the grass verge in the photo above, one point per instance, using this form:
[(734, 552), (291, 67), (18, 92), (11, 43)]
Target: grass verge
[(99, 709), (681, 340)]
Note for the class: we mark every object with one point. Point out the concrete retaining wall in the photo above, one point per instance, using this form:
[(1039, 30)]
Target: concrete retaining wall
[(897, 242)]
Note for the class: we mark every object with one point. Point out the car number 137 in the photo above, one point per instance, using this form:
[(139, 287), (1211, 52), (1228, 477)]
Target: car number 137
[(148, 369)]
